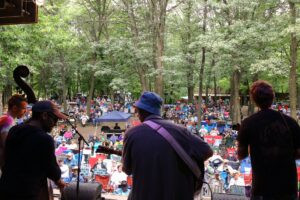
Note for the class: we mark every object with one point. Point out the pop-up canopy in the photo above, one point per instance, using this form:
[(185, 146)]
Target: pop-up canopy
[(115, 116)]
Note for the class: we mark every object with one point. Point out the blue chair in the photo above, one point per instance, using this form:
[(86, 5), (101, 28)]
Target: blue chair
[(203, 123)]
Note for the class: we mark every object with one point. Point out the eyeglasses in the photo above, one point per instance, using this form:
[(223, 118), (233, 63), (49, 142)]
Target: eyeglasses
[(53, 117)]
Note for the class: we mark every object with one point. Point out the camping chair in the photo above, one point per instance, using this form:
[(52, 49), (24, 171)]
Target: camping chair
[(237, 190), (129, 181), (104, 180)]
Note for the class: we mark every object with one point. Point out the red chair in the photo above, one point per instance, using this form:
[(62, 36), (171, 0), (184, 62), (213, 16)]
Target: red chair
[(104, 181), (129, 181), (247, 178)]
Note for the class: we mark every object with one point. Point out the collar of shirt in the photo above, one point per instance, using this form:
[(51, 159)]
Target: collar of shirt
[(150, 117)]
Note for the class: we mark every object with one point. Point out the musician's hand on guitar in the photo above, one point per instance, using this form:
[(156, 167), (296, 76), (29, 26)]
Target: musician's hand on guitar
[(61, 184)]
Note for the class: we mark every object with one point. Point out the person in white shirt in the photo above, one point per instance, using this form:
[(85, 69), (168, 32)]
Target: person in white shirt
[(236, 180), (203, 131), (84, 118), (73, 145), (117, 177), (65, 172), (214, 132)]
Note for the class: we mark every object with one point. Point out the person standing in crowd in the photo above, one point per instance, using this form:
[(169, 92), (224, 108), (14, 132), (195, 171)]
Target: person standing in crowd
[(29, 156), (158, 172), (17, 106), (117, 127), (273, 140)]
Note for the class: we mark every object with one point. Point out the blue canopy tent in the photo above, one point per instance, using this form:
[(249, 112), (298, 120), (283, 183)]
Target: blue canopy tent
[(115, 116)]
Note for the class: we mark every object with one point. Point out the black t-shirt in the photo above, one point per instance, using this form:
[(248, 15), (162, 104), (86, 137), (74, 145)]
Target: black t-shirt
[(29, 160), (272, 152)]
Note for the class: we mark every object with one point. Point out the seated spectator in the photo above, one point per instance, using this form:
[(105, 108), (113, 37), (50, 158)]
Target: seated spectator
[(216, 183), (121, 137), (99, 168), (58, 140), (226, 167), (84, 118), (111, 165), (96, 118), (118, 177), (70, 161), (68, 135), (73, 145), (203, 131), (122, 189), (65, 172), (236, 179), (216, 160), (214, 132), (93, 139), (113, 138), (229, 139), (74, 175), (193, 129), (63, 144)]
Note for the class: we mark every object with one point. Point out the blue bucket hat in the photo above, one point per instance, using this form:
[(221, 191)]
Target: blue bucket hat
[(149, 101)]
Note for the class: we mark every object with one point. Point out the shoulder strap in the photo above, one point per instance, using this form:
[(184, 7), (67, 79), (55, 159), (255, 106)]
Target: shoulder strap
[(179, 150)]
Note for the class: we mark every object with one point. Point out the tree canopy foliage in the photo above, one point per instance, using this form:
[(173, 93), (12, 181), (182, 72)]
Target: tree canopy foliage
[(98, 47)]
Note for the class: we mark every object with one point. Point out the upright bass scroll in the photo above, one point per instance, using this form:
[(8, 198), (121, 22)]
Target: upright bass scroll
[(20, 72)]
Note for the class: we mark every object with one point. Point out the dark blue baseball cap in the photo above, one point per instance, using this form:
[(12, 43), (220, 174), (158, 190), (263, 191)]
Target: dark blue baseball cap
[(48, 106), (150, 101)]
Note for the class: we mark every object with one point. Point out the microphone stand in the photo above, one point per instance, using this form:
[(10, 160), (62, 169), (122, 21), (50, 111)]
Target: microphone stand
[(80, 138)]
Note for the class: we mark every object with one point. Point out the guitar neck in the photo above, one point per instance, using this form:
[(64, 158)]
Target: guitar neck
[(106, 150)]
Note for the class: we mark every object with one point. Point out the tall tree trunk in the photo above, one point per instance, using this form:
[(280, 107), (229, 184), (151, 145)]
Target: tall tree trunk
[(6, 94), (191, 88), (159, 10), (141, 70), (159, 80), (215, 86), (143, 79), (209, 80), (1, 103), (293, 69), (201, 72), (77, 80), (298, 96), (90, 95), (235, 107), (189, 53), (63, 82), (200, 91)]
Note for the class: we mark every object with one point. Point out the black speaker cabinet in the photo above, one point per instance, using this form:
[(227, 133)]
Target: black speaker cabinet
[(220, 196), (87, 191)]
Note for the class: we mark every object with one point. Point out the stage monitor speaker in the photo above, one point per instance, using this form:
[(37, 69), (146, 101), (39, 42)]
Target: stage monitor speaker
[(87, 191), (221, 196)]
